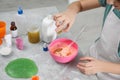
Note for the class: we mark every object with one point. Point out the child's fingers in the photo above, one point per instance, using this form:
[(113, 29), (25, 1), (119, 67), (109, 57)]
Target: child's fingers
[(87, 58), (65, 25), (59, 21), (57, 16), (81, 68), (84, 64), (68, 27)]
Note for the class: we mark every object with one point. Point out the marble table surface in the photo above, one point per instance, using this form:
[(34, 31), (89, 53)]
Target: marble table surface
[(48, 68)]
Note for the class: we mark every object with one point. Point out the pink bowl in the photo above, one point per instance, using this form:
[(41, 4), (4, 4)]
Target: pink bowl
[(59, 43)]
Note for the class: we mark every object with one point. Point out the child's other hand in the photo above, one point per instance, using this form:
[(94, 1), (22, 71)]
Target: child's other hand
[(92, 66), (64, 21)]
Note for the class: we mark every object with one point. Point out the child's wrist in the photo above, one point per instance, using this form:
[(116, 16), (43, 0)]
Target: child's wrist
[(105, 68)]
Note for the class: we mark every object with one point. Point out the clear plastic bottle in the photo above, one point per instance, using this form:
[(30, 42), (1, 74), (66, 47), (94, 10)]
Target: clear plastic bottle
[(21, 22)]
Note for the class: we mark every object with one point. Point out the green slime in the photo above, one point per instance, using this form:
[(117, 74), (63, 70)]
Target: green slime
[(21, 68)]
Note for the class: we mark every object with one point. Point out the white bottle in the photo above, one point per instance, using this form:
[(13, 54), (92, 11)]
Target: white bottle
[(21, 22), (48, 29)]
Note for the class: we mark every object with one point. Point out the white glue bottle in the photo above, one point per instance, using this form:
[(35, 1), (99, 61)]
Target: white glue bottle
[(21, 22)]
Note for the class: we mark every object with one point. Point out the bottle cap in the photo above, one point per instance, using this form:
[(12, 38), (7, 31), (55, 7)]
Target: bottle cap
[(45, 47), (20, 11), (13, 23), (35, 78)]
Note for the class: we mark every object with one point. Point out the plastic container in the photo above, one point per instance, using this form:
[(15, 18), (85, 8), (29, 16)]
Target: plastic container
[(33, 34), (19, 43), (5, 51), (1, 41), (2, 29), (21, 22), (48, 32), (8, 40)]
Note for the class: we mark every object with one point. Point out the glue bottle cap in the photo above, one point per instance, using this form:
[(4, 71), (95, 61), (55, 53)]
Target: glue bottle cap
[(45, 47), (20, 11)]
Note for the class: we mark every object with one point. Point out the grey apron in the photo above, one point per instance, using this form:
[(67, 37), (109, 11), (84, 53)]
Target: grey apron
[(106, 48)]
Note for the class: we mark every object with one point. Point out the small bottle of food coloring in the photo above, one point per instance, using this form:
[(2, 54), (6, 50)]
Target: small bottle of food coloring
[(13, 29), (45, 47)]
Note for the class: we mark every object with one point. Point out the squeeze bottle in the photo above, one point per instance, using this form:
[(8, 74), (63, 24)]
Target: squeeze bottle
[(21, 22)]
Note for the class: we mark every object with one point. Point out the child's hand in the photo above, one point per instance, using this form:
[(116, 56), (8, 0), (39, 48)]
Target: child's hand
[(64, 21), (89, 65)]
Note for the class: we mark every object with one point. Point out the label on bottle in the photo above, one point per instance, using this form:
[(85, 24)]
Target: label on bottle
[(14, 33)]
